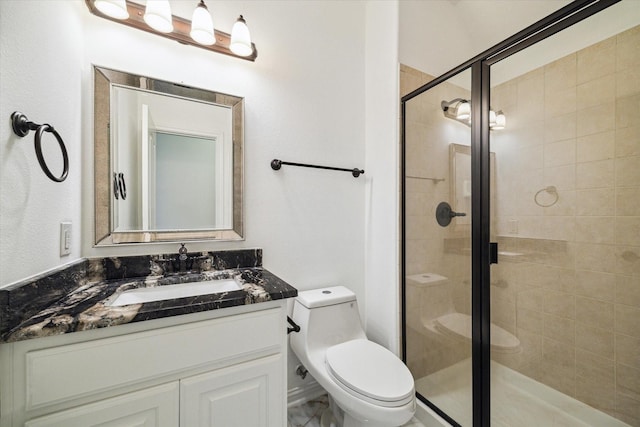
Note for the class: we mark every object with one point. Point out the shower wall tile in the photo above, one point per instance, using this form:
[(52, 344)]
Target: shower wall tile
[(596, 119), (628, 320), (595, 61), (595, 340), (628, 49), (561, 74), (628, 260), (628, 350), (628, 141), (627, 111), (595, 202), (628, 409), (628, 82), (560, 329), (628, 201), (598, 146), (561, 152), (595, 381), (595, 285), (628, 290), (593, 229), (562, 177), (592, 312), (595, 174), (627, 230), (628, 171), (597, 92), (560, 304), (595, 257), (628, 381)]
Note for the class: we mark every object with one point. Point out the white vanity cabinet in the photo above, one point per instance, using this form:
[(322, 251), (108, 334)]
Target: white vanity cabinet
[(220, 368)]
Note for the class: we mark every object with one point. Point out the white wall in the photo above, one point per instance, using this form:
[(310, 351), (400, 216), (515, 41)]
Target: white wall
[(304, 102), (41, 76), (438, 35)]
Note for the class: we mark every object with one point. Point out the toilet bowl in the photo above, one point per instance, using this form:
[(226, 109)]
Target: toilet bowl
[(439, 317), (368, 383)]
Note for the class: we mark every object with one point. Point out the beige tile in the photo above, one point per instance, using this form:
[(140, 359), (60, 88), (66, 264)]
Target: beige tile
[(595, 380), (598, 174), (560, 304), (628, 49), (628, 141), (628, 320), (596, 92), (595, 313), (628, 201), (565, 205), (559, 329), (628, 409), (529, 320), (628, 350), (599, 146), (560, 128), (627, 171), (532, 299), (559, 228), (595, 229), (559, 102), (595, 257), (558, 366), (597, 119), (628, 260), (628, 230), (596, 202), (628, 290), (561, 74), (595, 340), (561, 177), (600, 286), (628, 111), (595, 61), (627, 82), (560, 153), (532, 90), (628, 380)]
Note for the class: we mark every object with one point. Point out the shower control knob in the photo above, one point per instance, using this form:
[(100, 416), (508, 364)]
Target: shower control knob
[(444, 213)]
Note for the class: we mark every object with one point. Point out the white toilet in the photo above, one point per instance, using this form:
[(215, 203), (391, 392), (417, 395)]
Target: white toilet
[(369, 384)]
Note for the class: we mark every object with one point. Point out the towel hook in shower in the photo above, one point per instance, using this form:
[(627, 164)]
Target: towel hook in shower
[(21, 127)]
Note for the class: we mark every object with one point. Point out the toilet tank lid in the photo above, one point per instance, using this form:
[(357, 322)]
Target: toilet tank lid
[(325, 296)]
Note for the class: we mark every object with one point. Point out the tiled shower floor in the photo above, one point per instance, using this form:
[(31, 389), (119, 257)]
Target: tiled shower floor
[(308, 414)]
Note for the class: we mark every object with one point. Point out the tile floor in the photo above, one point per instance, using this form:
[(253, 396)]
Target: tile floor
[(308, 414)]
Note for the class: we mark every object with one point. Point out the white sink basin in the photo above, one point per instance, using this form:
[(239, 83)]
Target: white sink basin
[(181, 290)]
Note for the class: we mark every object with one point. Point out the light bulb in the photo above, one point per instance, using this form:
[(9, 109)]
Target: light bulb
[(202, 25), (113, 8), (501, 120), (463, 111), (158, 15), (240, 38)]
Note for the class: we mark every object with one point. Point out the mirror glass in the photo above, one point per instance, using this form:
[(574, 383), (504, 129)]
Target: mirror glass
[(168, 161)]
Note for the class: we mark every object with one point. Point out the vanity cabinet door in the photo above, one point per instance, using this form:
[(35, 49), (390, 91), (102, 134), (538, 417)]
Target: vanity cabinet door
[(247, 394), (152, 407)]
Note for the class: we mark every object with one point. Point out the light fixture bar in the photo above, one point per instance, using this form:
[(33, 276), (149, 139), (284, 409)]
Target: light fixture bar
[(181, 30)]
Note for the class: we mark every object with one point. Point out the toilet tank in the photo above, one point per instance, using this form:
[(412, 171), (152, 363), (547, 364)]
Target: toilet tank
[(327, 316)]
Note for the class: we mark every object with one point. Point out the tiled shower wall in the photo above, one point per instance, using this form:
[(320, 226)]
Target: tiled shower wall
[(568, 283)]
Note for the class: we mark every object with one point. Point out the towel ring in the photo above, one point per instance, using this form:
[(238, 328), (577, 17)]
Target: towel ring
[(551, 190), (21, 127)]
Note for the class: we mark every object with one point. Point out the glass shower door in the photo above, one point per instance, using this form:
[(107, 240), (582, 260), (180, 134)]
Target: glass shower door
[(437, 242), (565, 296)]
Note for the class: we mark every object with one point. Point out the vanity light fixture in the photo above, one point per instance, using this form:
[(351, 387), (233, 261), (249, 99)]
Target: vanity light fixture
[(202, 25), (459, 109), (114, 8), (158, 15), (156, 18)]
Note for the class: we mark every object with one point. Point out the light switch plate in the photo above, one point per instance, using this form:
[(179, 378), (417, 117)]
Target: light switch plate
[(65, 238)]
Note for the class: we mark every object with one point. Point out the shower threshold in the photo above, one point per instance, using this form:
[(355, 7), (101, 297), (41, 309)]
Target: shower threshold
[(517, 400)]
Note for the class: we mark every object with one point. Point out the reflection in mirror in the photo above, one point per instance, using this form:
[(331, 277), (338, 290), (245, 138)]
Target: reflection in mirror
[(175, 152)]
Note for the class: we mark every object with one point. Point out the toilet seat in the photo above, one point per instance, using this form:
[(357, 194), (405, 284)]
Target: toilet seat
[(370, 372)]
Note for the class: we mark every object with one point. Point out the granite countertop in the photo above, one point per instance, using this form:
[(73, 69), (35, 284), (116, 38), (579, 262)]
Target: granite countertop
[(76, 297)]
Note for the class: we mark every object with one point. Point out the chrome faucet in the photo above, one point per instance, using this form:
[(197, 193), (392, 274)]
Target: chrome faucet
[(183, 258)]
